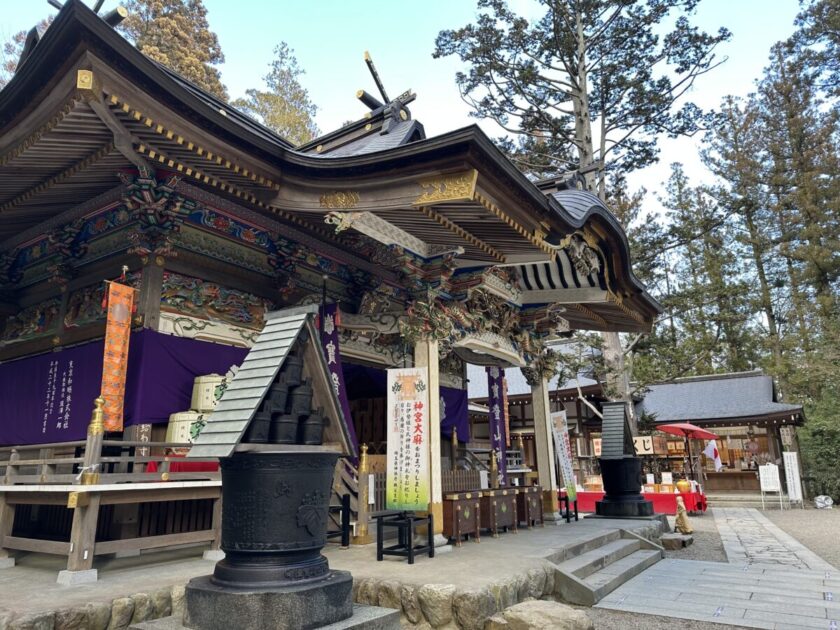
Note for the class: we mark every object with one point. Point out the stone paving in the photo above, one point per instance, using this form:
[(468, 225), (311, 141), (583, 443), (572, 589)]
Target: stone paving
[(749, 537), (458, 589), (770, 581)]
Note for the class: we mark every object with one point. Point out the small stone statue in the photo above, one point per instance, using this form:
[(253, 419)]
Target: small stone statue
[(682, 525)]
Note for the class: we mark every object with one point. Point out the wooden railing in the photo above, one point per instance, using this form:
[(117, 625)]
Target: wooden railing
[(114, 461), (98, 496)]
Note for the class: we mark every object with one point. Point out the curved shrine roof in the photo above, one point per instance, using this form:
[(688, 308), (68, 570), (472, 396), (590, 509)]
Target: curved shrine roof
[(62, 145)]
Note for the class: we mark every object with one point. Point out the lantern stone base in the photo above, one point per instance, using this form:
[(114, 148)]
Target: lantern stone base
[(363, 618), (295, 607), (622, 484)]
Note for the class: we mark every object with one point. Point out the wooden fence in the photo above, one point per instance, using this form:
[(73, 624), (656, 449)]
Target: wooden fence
[(93, 497)]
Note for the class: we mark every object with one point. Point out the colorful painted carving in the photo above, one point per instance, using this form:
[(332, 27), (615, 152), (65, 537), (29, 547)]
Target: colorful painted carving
[(233, 228), (208, 300), (104, 222), (84, 306), (34, 321), (483, 313), (158, 211)]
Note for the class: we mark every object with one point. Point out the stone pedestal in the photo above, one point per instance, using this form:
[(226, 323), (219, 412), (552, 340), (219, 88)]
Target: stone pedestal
[(294, 607), (71, 578), (622, 489)]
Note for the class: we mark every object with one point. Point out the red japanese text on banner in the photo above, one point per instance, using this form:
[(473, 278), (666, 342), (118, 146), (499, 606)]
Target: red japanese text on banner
[(407, 485)]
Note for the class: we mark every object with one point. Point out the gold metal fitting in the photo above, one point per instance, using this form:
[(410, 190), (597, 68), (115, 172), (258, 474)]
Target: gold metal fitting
[(97, 419), (77, 499), (363, 459), (89, 478)]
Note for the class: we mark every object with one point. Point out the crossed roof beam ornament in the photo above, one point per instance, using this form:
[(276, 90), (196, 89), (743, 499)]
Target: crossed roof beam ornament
[(395, 110)]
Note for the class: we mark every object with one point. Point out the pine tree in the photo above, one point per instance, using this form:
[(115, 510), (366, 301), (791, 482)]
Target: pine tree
[(595, 75), (285, 107), (176, 34), (801, 137), (734, 154), (818, 40)]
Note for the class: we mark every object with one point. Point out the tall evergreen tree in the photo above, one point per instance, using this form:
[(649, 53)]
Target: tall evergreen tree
[(595, 75), (285, 107), (176, 34), (734, 154), (800, 139), (818, 39)]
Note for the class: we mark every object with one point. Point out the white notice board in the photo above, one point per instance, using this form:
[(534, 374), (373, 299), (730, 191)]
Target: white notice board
[(768, 476)]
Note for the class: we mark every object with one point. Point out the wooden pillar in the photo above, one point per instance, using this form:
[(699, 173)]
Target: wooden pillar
[(148, 307), (82, 539), (148, 298), (85, 506), (544, 444), (7, 521), (426, 354)]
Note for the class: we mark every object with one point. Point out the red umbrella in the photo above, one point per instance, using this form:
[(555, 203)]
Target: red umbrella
[(689, 432)]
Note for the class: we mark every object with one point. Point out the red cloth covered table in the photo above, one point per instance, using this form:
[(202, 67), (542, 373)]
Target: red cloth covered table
[(663, 502), (178, 464)]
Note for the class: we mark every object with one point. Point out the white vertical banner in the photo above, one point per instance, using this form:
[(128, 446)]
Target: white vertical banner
[(407, 479), (794, 481), (563, 452)]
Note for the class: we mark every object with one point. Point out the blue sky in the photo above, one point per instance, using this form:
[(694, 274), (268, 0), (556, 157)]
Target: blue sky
[(329, 38)]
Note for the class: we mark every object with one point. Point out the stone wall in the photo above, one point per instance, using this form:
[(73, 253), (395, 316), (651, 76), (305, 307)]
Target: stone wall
[(445, 606), (426, 606), (117, 615)]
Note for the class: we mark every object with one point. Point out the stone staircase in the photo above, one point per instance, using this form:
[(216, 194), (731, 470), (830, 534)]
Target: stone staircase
[(591, 570), (745, 500)]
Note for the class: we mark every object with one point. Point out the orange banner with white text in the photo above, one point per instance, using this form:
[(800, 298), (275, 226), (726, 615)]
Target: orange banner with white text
[(115, 362)]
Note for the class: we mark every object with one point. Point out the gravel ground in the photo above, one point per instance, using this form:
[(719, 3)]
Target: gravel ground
[(816, 529), (707, 544)]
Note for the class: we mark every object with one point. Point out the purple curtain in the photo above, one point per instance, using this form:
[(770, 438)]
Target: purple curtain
[(454, 413), (49, 398)]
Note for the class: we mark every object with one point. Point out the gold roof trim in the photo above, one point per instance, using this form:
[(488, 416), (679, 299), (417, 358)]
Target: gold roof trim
[(457, 229), (492, 207), (618, 300), (581, 308), (190, 171), (214, 158)]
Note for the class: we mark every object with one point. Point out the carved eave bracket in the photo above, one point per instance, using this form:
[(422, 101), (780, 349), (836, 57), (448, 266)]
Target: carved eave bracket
[(544, 366), (159, 212), (498, 281), (584, 253)]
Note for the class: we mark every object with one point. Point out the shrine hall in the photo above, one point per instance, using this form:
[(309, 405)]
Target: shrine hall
[(429, 251)]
